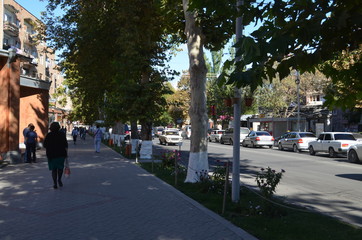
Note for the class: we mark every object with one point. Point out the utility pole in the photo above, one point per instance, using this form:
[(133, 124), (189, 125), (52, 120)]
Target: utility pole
[(297, 81), (235, 187)]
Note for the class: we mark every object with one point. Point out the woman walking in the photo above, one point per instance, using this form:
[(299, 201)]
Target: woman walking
[(56, 146)]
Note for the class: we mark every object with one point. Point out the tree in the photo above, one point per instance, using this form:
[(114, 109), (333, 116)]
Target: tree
[(133, 56), (301, 35)]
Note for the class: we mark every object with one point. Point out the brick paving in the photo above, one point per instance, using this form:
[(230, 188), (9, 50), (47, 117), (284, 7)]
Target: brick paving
[(106, 197)]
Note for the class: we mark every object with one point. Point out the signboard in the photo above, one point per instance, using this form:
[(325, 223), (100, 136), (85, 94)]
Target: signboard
[(146, 150)]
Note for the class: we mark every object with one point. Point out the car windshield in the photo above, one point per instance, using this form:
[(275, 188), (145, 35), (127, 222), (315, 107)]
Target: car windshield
[(262, 134), (244, 131), (306, 135), (343, 136), (171, 133)]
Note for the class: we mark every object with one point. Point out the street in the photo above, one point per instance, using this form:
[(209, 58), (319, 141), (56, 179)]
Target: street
[(329, 185)]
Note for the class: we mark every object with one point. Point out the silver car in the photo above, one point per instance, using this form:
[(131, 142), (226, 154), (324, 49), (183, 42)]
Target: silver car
[(258, 139), (297, 141), (228, 136), (215, 135)]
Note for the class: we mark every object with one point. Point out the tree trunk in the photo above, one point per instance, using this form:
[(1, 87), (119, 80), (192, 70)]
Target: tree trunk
[(198, 159), (146, 130)]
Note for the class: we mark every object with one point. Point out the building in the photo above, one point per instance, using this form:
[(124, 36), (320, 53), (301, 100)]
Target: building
[(28, 74)]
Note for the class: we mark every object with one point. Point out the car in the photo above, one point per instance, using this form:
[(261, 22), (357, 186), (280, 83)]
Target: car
[(354, 153), (158, 130), (334, 143), (276, 139), (228, 136), (215, 135), (258, 139), (297, 141), (170, 136), (186, 132)]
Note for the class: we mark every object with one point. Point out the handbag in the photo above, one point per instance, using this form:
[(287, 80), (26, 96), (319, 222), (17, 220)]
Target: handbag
[(66, 168)]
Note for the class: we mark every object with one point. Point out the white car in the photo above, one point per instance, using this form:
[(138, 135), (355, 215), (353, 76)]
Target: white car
[(186, 132), (354, 153), (170, 136), (333, 143), (215, 135)]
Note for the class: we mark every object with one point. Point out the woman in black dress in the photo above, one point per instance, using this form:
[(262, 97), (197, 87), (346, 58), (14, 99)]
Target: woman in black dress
[(56, 146)]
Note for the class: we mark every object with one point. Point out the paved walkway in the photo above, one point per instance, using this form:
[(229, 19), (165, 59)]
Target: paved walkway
[(105, 198)]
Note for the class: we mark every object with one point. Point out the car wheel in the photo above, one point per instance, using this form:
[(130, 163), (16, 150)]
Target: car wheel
[(311, 150), (231, 141), (210, 140), (253, 145), (244, 144), (221, 141), (160, 142), (352, 156), (331, 152), (280, 147), (271, 146), (295, 148)]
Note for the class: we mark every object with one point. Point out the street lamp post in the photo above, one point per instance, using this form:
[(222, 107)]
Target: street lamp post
[(297, 81)]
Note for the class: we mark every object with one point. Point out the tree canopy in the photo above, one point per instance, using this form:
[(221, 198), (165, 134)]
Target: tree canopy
[(302, 35)]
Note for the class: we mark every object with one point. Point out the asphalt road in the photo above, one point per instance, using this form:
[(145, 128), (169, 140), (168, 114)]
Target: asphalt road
[(328, 185)]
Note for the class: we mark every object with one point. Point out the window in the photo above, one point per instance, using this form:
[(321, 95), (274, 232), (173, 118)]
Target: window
[(328, 137), (321, 137), (307, 135), (344, 137)]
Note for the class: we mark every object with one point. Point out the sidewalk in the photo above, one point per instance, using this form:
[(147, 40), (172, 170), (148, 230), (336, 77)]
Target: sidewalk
[(106, 197)]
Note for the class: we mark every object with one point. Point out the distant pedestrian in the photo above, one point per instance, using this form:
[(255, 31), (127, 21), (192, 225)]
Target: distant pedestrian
[(75, 133), (31, 141), (97, 139), (25, 131), (56, 146)]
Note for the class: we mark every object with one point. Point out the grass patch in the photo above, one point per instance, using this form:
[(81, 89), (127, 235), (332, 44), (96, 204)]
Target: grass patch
[(263, 220)]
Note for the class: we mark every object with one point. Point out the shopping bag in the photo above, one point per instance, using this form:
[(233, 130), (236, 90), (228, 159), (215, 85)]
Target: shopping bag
[(66, 168)]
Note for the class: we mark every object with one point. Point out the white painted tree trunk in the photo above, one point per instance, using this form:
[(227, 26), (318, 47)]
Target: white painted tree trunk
[(198, 160)]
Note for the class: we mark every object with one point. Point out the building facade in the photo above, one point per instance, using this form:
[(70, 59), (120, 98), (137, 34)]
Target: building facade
[(29, 74)]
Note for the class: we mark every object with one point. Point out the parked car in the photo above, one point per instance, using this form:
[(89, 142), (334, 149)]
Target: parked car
[(276, 139), (228, 136), (186, 132), (170, 136), (334, 143), (258, 139), (158, 131), (297, 141), (354, 153), (215, 135)]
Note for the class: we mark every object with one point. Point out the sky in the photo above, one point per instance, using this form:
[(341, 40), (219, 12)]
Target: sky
[(179, 63)]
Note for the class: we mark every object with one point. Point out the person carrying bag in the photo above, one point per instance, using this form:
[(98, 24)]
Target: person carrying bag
[(56, 146)]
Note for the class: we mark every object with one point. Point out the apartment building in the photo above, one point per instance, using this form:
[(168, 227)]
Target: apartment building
[(29, 77)]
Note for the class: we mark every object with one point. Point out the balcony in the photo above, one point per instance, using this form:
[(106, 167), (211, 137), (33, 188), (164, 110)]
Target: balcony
[(29, 39), (11, 29)]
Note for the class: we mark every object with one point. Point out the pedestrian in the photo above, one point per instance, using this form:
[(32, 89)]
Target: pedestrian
[(97, 139), (75, 134), (25, 131), (56, 146), (31, 141)]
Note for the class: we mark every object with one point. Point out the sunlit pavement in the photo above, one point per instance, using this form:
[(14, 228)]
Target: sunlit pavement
[(106, 197)]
